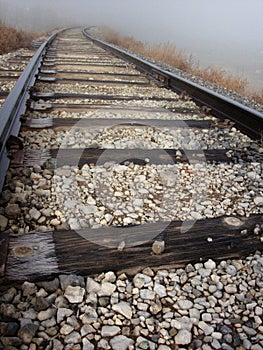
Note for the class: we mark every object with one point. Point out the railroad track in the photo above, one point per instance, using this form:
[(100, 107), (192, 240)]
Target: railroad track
[(117, 164)]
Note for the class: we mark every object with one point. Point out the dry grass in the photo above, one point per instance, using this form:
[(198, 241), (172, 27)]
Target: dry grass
[(165, 52), (220, 77), (257, 96), (168, 54), (12, 39)]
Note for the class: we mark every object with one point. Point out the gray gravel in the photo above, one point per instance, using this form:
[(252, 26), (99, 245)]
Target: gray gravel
[(6, 65), (125, 90), (145, 137), (201, 306), (121, 113), (7, 86), (113, 194)]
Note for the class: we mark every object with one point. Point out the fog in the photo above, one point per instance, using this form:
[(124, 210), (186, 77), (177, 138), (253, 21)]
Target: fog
[(226, 33)]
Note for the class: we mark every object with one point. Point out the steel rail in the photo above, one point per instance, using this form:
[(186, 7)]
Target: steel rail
[(246, 119), (15, 105)]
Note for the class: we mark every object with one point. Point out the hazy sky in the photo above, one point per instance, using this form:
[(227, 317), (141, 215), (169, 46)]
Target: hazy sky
[(146, 17), (152, 20), (201, 27)]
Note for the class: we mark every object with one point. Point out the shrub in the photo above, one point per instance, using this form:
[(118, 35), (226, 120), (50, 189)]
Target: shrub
[(257, 96), (12, 39), (168, 54)]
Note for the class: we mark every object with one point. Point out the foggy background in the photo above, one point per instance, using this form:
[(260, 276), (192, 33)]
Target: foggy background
[(224, 33)]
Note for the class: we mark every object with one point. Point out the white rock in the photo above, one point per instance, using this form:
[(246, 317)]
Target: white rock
[(103, 344), (34, 214), (90, 316), (142, 306), (208, 212), (205, 327), (88, 209), (231, 288), (66, 329), (47, 212), (258, 310), (231, 270), (182, 323), (127, 221), (253, 175), (46, 314), (120, 342), (92, 286), (107, 289), (70, 203), (185, 304), (57, 345), (195, 215), (138, 202), (55, 222), (226, 202), (210, 264), (217, 335), (160, 289), (118, 194), (183, 337), (118, 213), (133, 215), (206, 317), (220, 211), (91, 200), (72, 338), (124, 309), (87, 345), (109, 277), (108, 217), (204, 272), (258, 200), (141, 280), (249, 331), (158, 247), (74, 295), (63, 172), (63, 313), (147, 294), (29, 288), (121, 246), (74, 223), (87, 329), (169, 178), (109, 331), (194, 314)]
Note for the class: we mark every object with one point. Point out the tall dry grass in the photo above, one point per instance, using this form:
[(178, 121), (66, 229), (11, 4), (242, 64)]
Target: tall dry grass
[(220, 77), (165, 52), (12, 39), (168, 54)]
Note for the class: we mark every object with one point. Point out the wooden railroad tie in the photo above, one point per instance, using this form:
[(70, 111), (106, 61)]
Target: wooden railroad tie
[(36, 256)]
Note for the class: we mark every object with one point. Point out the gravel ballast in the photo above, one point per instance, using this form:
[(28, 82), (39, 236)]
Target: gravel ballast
[(202, 306), (114, 194)]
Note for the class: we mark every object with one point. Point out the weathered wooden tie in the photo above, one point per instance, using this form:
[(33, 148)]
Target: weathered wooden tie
[(41, 255), (39, 123), (98, 156)]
